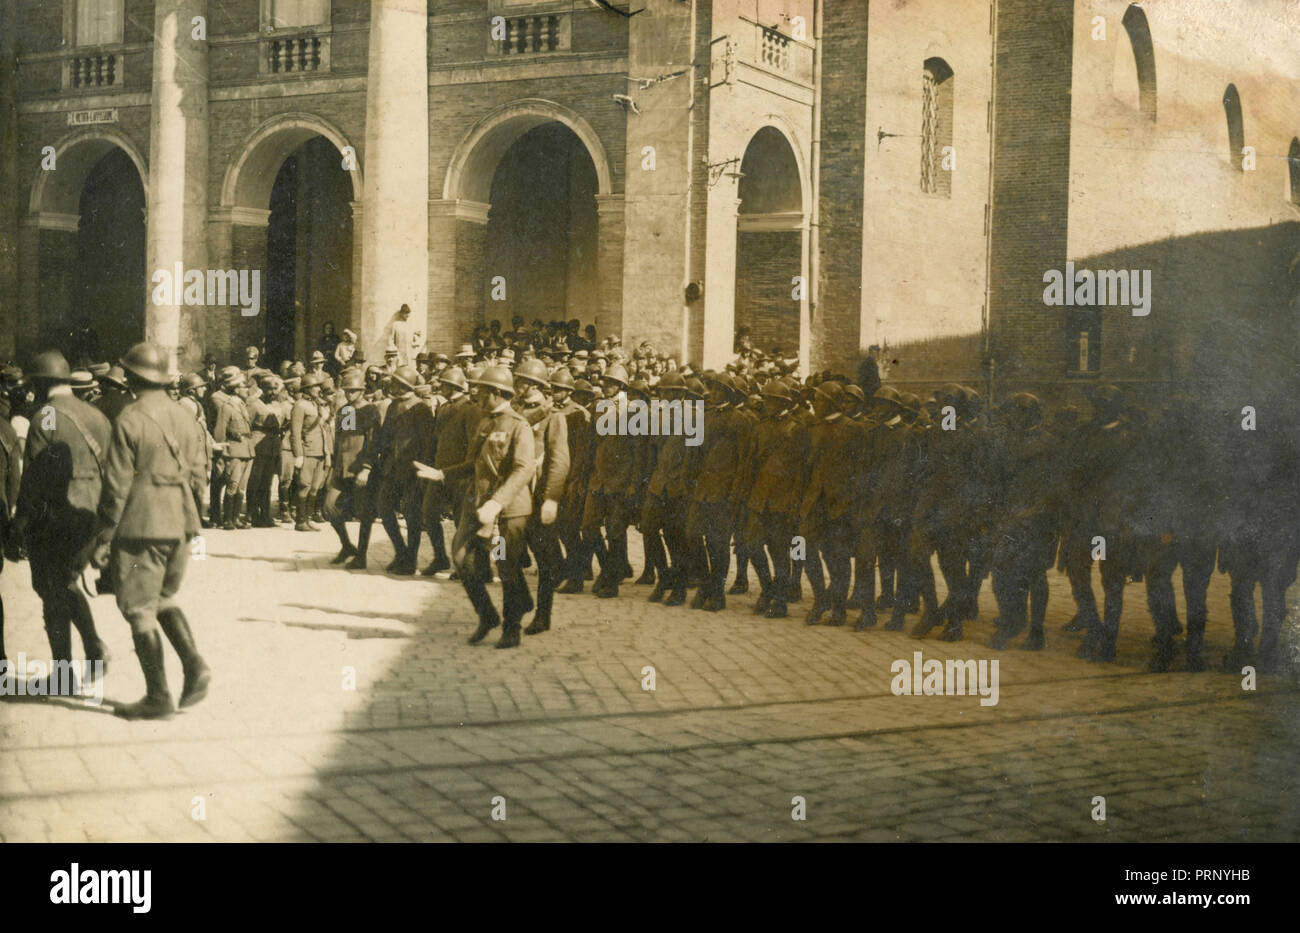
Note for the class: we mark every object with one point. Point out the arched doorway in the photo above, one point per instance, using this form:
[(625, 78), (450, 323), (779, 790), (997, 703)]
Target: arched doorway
[(289, 200), (541, 231), (527, 198), (86, 282), (771, 286)]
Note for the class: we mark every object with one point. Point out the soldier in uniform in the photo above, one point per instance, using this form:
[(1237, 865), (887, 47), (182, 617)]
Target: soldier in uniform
[(114, 394), (573, 397), (551, 452), (265, 441), (192, 389), (11, 469), (497, 506), (234, 431), (283, 405), (613, 486), (404, 437), (663, 510), (55, 516), (147, 518), (455, 424), (355, 425), (713, 502), (310, 454), (779, 452)]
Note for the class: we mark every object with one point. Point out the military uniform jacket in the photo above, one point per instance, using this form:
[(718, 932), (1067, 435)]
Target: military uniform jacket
[(155, 471), (672, 465), (883, 477), (112, 402), (11, 470), (835, 452), (581, 435), (614, 465), (501, 463), (780, 453), (551, 450), (196, 411), (234, 428), (720, 455), (307, 429), (265, 423), (62, 468), (354, 429), (454, 427)]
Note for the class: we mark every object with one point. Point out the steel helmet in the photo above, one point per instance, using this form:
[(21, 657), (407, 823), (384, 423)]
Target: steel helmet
[(310, 380), (563, 379), (583, 387), (616, 373), (777, 388), (147, 362), (453, 376), (352, 378), (51, 366), (405, 377), (671, 380), (497, 377), (192, 381), (533, 371)]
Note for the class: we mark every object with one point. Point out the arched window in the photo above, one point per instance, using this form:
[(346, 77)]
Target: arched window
[(1139, 37), (1236, 136), (937, 157), (99, 22)]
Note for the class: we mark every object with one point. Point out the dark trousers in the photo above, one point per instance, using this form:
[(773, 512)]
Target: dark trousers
[(259, 486), (830, 540), (50, 554), (401, 494), (666, 517), (711, 521), (472, 555), (611, 511), (1197, 560), (544, 542)]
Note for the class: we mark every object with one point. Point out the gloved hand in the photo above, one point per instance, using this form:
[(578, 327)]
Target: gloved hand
[(297, 463), (363, 477), (488, 512), (550, 508)]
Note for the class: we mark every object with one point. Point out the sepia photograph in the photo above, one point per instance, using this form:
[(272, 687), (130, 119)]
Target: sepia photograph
[(651, 421)]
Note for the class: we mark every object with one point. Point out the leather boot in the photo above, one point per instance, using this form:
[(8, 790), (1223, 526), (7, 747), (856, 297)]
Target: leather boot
[(541, 623), (157, 701), (487, 621), (197, 674), (661, 587), (509, 634)]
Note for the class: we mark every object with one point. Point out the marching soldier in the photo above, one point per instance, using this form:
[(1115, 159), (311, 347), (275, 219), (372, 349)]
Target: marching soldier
[(713, 501), (496, 510), (551, 451), (455, 425), (582, 436), (613, 485), (55, 517), (147, 518), (404, 437), (356, 424)]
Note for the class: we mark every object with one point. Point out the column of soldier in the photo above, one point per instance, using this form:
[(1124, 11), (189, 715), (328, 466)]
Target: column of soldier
[(837, 480)]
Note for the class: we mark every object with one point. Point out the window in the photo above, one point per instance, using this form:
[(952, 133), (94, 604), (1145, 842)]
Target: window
[(1236, 136), (290, 14), (1293, 167), (1139, 37), (99, 22), (937, 156)]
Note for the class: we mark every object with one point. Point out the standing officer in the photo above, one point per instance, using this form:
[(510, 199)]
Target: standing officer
[(234, 431), (192, 391), (496, 510), (455, 424), (404, 437), (147, 518), (551, 451), (55, 518), (310, 456), (114, 395)]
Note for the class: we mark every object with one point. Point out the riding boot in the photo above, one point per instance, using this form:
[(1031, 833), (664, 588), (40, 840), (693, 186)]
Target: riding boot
[(157, 700), (197, 674)]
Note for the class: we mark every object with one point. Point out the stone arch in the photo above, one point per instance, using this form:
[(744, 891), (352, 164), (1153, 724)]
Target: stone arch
[(249, 179), (775, 123), (474, 162), (59, 191)]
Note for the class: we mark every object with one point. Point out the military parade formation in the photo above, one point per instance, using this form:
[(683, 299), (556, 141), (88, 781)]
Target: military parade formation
[(857, 488)]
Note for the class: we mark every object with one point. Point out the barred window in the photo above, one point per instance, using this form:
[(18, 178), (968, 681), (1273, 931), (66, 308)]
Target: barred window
[(937, 154), (99, 22)]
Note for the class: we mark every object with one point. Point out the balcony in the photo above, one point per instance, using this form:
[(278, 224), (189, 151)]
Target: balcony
[(535, 34), (293, 54), (772, 51), (93, 69)]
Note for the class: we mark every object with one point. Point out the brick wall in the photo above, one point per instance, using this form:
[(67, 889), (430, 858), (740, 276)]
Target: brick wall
[(765, 263)]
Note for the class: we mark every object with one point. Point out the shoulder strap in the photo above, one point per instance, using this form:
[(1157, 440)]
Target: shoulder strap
[(171, 444), (87, 437)]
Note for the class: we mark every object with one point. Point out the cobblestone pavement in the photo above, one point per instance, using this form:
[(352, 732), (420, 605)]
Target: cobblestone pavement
[(561, 739)]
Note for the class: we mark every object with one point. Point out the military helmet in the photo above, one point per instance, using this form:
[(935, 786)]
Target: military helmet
[(51, 366), (191, 381), (496, 377), (147, 362), (616, 373), (888, 395), (563, 379), (533, 371), (695, 388), (405, 377), (777, 388), (352, 378), (910, 402), (1024, 406), (672, 380), (855, 392), (310, 380), (639, 387), (583, 387), (453, 376)]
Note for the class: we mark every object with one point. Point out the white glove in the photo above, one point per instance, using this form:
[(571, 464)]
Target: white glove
[(488, 512), (363, 477), (297, 463), (550, 508)]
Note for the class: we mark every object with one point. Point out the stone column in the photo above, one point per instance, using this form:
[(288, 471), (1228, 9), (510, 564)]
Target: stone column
[(454, 286), (395, 223), (178, 164), (720, 275), (354, 319), (610, 316), (236, 240)]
